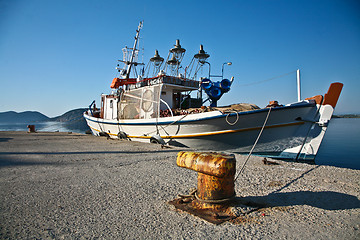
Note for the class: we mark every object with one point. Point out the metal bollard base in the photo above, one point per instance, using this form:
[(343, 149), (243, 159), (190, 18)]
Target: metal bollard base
[(211, 212)]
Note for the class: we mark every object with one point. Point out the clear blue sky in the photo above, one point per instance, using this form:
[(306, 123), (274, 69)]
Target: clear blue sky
[(57, 55)]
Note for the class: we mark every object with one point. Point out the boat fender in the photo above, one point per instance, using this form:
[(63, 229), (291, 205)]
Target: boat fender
[(104, 134), (122, 135), (157, 139)]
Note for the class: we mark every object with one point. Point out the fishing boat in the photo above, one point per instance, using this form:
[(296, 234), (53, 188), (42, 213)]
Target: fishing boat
[(164, 102)]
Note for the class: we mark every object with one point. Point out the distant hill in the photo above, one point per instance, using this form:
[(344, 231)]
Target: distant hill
[(73, 119), (28, 116), (347, 116), (72, 115)]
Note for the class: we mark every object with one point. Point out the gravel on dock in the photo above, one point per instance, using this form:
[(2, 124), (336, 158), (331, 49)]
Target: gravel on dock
[(74, 186)]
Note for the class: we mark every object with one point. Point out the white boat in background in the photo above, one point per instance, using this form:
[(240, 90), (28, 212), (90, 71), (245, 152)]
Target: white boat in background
[(163, 109)]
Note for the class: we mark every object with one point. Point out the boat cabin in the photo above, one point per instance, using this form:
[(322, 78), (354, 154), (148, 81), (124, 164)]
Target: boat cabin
[(150, 98)]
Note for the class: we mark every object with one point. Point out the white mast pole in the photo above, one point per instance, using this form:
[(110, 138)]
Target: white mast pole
[(298, 84), (134, 50)]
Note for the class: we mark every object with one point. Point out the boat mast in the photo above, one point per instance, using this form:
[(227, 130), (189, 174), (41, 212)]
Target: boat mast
[(133, 53)]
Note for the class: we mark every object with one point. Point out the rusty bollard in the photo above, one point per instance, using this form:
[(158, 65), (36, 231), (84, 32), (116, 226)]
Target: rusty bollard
[(31, 128), (215, 186)]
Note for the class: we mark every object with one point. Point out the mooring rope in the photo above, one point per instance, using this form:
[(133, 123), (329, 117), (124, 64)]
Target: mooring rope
[(163, 127), (214, 200), (100, 126), (253, 147), (193, 195)]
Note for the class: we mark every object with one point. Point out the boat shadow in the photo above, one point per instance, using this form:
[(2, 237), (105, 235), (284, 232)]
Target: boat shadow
[(85, 152), (327, 200), (5, 139), (11, 161), (8, 159)]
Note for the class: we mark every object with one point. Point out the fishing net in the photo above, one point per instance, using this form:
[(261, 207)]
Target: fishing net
[(140, 103)]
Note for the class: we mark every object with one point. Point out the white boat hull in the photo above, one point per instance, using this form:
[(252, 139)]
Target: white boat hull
[(289, 131)]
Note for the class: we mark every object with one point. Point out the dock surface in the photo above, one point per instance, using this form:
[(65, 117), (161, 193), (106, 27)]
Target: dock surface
[(74, 186)]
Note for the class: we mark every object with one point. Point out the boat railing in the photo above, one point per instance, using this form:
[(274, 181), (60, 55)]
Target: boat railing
[(117, 82)]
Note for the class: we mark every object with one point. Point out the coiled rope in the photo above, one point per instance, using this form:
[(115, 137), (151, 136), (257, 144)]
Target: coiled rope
[(237, 118)]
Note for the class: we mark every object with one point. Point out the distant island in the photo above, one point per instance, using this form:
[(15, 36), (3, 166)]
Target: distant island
[(22, 117), (347, 116), (72, 119)]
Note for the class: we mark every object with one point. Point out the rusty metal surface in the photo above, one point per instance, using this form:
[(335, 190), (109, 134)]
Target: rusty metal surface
[(216, 215), (215, 164), (215, 188), (237, 211), (216, 173)]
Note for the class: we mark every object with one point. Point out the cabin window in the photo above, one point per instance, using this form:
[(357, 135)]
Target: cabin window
[(163, 93), (111, 103)]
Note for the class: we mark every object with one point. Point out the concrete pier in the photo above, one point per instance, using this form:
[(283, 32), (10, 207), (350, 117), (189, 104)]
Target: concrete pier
[(73, 186)]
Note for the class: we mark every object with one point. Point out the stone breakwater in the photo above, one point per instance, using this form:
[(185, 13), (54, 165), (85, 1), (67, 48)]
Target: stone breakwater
[(73, 186)]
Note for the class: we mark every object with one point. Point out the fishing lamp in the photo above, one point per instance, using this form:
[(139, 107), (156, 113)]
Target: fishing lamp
[(173, 63), (177, 50), (222, 68), (156, 59), (202, 55)]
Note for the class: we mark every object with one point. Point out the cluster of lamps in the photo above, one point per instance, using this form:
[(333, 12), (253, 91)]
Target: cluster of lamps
[(177, 53), (214, 90)]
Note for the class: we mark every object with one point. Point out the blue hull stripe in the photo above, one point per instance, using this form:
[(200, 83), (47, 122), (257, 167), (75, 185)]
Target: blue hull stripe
[(202, 119)]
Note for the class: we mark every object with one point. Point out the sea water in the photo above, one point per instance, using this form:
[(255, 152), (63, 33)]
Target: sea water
[(39, 126), (340, 146)]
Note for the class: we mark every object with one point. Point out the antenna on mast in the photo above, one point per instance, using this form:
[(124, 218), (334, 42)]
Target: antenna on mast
[(134, 50), (130, 55)]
